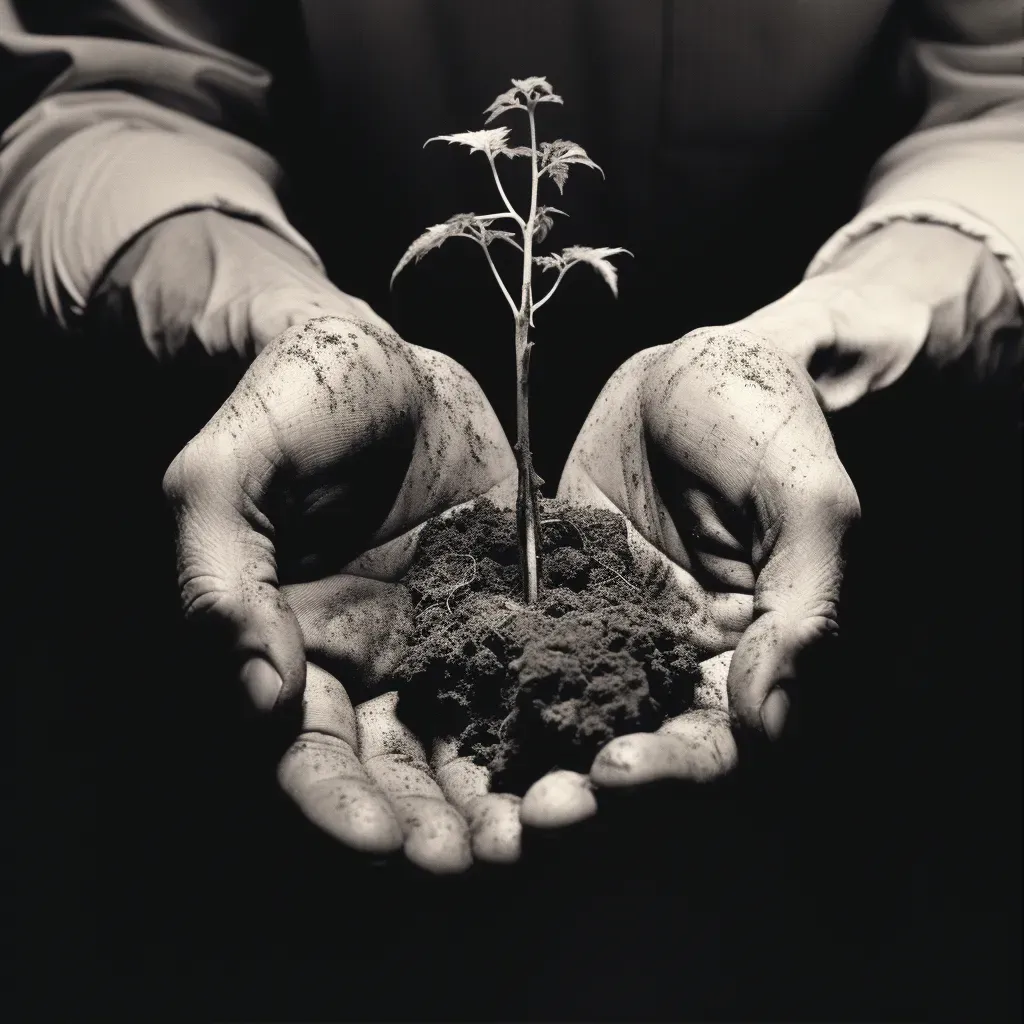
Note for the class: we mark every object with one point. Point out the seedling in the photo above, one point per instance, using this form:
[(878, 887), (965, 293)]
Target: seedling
[(547, 159)]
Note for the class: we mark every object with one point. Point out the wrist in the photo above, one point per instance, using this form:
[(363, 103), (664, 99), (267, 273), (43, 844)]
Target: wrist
[(951, 279), (205, 286)]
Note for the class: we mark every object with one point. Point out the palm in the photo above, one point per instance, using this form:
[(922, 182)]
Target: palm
[(717, 453)]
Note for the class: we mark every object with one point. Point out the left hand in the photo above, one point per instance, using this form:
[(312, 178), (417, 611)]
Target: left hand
[(907, 290), (717, 453)]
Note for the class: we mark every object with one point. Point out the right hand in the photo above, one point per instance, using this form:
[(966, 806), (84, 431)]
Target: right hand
[(338, 442), (296, 509)]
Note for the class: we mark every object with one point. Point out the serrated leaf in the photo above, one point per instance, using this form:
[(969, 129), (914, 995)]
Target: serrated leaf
[(506, 101), (544, 222), (514, 151), (553, 262), (559, 174), (436, 235), (487, 236), (538, 83), (598, 259), (525, 92), (555, 158), (487, 140)]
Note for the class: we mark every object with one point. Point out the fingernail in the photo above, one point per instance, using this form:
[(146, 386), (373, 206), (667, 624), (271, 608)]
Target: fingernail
[(262, 683), (774, 712)]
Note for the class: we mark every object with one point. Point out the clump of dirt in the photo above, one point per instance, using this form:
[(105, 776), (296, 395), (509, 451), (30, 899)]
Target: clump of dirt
[(527, 689)]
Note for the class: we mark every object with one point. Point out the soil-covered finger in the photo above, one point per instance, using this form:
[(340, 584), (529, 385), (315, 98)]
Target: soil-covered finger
[(711, 690), (381, 732), (558, 799), (495, 828), (436, 835), (695, 747), (462, 781), (325, 779)]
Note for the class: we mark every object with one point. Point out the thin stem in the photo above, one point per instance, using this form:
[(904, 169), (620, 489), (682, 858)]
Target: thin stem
[(501, 190), (528, 495), (497, 276), (528, 228), (486, 218), (558, 281)]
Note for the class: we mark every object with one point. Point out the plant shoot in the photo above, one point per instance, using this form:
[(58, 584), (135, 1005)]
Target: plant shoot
[(547, 160)]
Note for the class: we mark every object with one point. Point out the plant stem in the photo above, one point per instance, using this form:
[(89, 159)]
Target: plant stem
[(528, 496)]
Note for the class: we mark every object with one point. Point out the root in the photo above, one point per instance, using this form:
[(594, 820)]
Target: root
[(584, 540)]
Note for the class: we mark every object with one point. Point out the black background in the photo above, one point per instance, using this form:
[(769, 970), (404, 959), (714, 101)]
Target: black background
[(870, 872)]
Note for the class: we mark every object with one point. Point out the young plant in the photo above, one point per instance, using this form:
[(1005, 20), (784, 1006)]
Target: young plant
[(547, 159)]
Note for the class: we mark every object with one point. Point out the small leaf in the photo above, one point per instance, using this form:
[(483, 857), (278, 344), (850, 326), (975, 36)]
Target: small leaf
[(524, 94), (536, 84), (536, 90), (545, 222), (553, 262), (598, 259), (436, 235), (506, 101), (558, 155), (559, 174), (487, 236), (487, 140), (514, 151)]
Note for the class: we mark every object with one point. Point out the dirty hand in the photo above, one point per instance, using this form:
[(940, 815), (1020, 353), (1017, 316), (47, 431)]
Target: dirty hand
[(296, 509), (906, 291), (717, 453)]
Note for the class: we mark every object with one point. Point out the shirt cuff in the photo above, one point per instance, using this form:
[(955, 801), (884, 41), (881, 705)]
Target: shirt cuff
[(99, 189), (924, 212)]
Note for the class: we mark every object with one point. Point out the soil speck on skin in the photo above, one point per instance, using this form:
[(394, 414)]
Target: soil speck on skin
[(528, 689)]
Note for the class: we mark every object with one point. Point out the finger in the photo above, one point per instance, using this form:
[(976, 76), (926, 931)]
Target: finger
[(285, 411), (322, 774), (227, 570), (436, 835), (806, 515), (493, 818), (697, 746), (713, 622), (839, 390), (558, 799), (711, 689)]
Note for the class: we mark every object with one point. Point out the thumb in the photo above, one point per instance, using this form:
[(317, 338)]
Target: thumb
[(799, 567), (227, 571), (841, 388)]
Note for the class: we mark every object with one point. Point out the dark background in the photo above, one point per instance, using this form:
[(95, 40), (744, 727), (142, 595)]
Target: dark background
[(872, 872)]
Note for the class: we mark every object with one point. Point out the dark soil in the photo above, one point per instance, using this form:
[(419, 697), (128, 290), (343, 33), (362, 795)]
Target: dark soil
[(526, 690)]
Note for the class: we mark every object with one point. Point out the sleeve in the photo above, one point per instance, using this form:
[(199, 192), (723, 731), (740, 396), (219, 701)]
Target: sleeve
[(116, 114), (963, 165)]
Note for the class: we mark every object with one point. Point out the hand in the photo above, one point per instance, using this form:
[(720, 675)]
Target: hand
[(905, 291), (296, 510), (715, 450)]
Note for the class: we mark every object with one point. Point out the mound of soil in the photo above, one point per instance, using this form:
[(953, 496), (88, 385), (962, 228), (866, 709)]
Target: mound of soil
[(527, 689)]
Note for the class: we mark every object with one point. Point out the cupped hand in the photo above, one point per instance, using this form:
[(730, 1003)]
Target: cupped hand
[(716, 451), (297, 508)]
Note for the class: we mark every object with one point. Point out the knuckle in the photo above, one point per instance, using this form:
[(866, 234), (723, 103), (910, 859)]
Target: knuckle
[(187, 473)]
